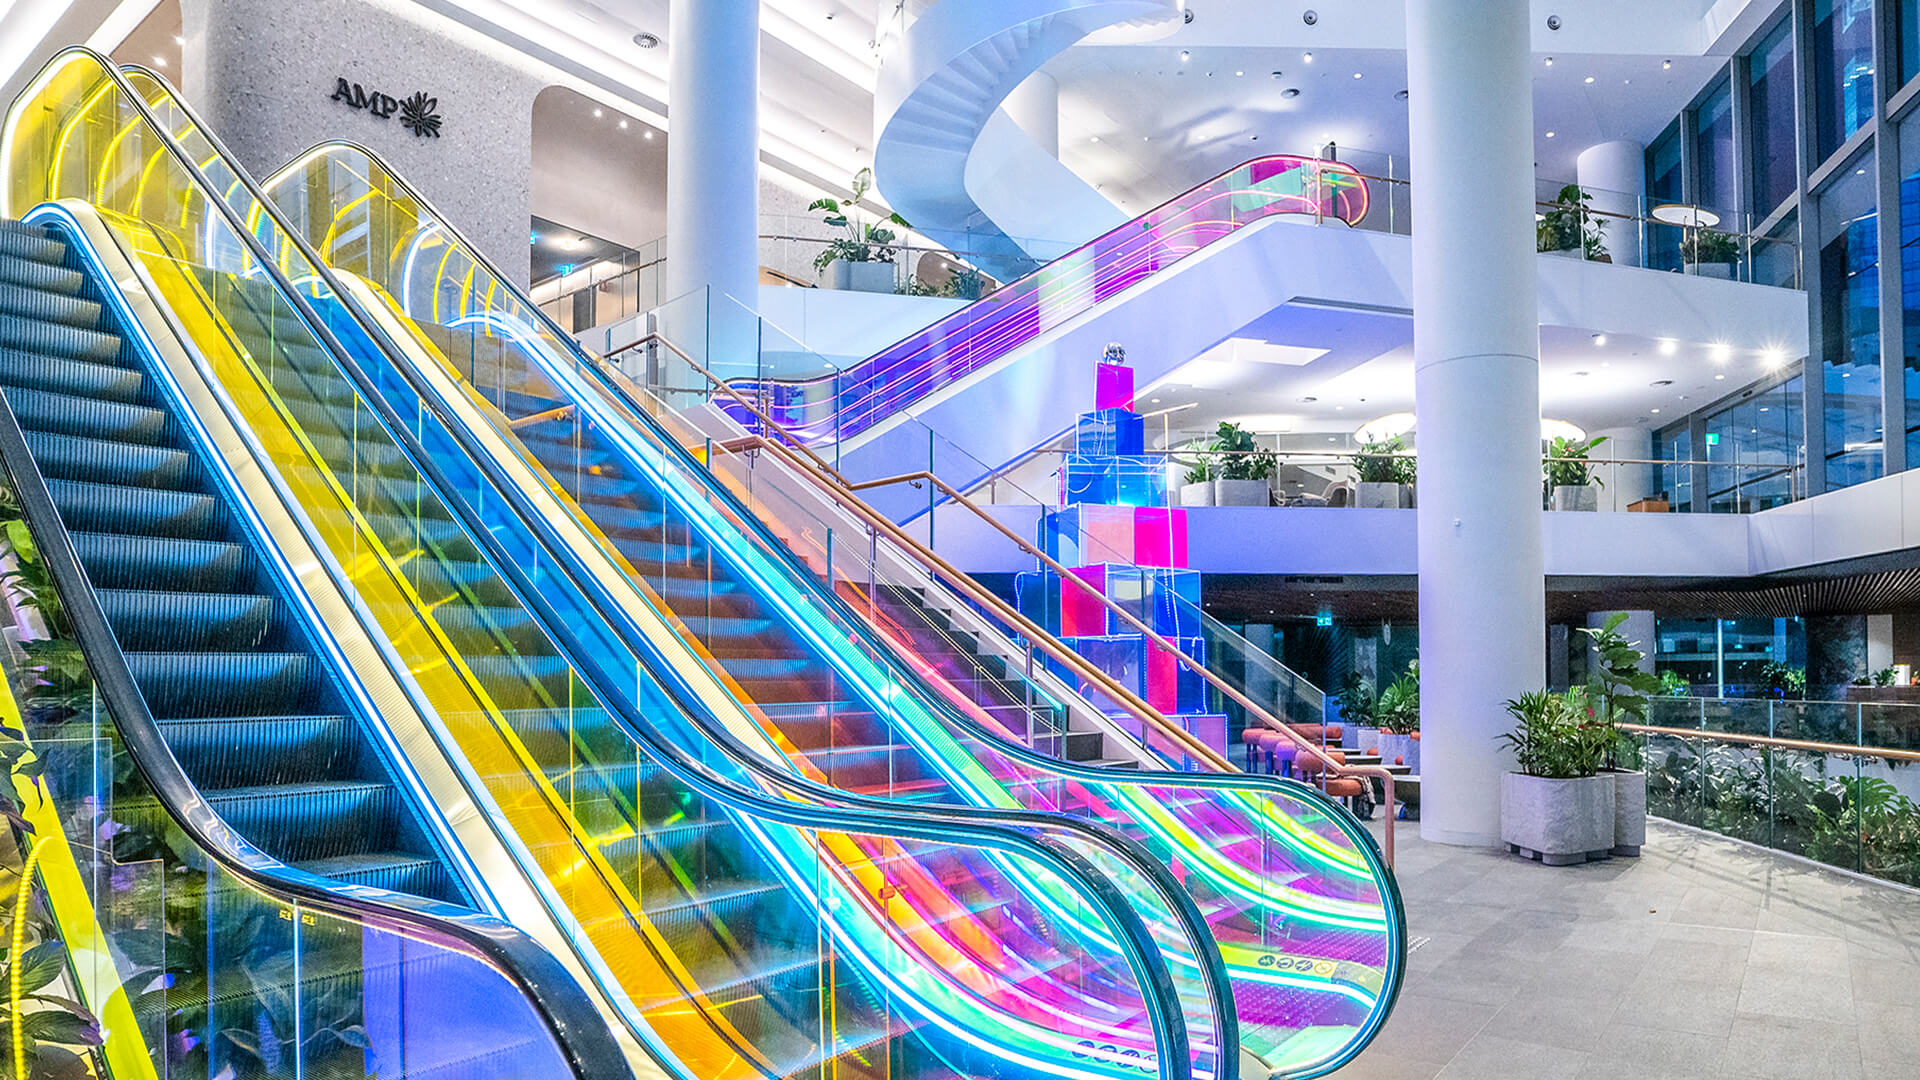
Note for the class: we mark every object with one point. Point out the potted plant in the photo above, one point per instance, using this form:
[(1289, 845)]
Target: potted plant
[(1198, 490), (1243, 473), (1384, 474), (1558, 808), (862, 259), (1399, 711), (1569, 475), (1569, 229), (1621, 688), (1709, 253)]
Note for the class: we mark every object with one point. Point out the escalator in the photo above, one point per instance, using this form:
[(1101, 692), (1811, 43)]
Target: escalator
[(734, 924), (242, 699), (1306, 915)]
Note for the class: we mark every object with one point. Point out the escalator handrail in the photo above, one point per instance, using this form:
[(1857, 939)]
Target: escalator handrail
[(981, 830), (568, 1015)]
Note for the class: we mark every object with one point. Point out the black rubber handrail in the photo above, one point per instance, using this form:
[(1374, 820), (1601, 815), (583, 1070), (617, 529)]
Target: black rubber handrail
[(837, 811), (547, 987)]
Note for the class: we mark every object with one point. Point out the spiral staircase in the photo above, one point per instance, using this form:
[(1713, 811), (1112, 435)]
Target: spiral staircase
[(944, 150)]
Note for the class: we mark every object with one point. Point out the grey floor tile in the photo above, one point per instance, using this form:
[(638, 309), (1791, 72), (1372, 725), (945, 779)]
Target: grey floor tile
[(1493, 1056), (1890, 1037), (1783, 1048), (1641, 1053), (1430, 1029)]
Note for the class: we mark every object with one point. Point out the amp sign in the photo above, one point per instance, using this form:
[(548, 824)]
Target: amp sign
[(419, 114)]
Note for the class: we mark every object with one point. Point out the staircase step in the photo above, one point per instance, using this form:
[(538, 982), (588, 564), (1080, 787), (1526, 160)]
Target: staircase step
[(132, 511)]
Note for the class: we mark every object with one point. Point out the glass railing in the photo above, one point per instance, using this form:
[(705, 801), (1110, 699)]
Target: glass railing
[(731, 932), (836, 404), (847, 714), (1837, 782), (190, 953)]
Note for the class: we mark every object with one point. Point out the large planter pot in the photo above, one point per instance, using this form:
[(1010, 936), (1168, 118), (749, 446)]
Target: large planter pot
[(1367, 739), (875, 277), (1629, 811), (1374, 495), (1393, 748), (1241, 493), (1579, 497), (1200, 494), (1565, 253), (1412, 755), (1723, 271), (1558, 822)]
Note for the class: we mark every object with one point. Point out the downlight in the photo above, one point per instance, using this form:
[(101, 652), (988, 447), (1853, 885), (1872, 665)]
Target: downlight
[(646, 40)]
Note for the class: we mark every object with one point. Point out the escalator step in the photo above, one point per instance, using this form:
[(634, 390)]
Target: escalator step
[(47, 277), (123, 562), (115, 508), (56, 339), (187, 621), (391, 870), (67, 414), (23, 302), (73, 457), (223, 684), (30, 242), (50, 373), (249, 751), (319, 820)]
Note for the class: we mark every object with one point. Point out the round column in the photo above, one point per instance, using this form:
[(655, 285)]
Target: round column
[(1615, 175), (1626, 484), (1477, 399), (713, 180), (1035, 106)]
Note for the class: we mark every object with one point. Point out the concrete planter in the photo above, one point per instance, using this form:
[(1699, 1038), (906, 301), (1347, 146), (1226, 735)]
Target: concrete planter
[(874, 277), (1200, 494), (1629, 811), (1723, 271), (1412, 755), (1393, 748), (1373, 495), (1584, 498), (1566, 253), (1367, 739), (1558, 822), (1241, 493)]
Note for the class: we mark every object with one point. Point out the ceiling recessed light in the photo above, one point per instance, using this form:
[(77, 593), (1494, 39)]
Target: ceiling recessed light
[(1720, 376), (1549, 61), (1356, 74), (1277, 74), (178, 40), (1290, 92), (1308, 400), (1185, 56), (1661, 382), (1666, 65), (1549, 134), (1153, 401), (1237, 74), (646, 40), (1599, 339), (1859, 172), (647, 134), (1307, 57), (1096, 138), (1653, 410), (623, 125), (597, 113), (1400, 96), (1668, 346), (159, 61)]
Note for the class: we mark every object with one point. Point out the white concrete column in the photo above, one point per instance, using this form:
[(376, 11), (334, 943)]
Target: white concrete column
[(713, 173), (1615, 174), (1477, 399), (1879, 643), (1035, 106), (1626, 484)]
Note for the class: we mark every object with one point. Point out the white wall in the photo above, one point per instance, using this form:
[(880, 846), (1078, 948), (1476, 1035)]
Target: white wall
[(261, 73)]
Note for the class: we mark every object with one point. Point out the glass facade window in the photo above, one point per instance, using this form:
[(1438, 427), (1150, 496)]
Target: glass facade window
[(1842, 42), (1770, 123), (1910, 309), (1663, 186), (1908, 42), (1718, 186), (1677, 480), (1850, 352), (1726, 657), (1756, 447), (1776, 256)]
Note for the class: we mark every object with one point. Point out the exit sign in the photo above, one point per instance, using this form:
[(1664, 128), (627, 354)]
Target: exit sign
[(1713, 438)]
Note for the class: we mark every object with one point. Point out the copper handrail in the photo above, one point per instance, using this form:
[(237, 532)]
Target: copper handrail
[(814, 466), (1776, 743)]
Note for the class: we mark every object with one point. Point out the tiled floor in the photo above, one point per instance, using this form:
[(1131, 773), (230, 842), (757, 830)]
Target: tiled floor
[(1701, 959)]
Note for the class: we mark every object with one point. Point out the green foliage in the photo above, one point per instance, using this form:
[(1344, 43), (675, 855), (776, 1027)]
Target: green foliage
[(1559, 736), (1382, 461), (1709, 246), (1567, 461), (865, 240), (1358, 705), (1232, 455), (1777, 680), (1883, 677), (1399, 706), (1569, 224), (965, 283), (1617, 679), (1674, 684)]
